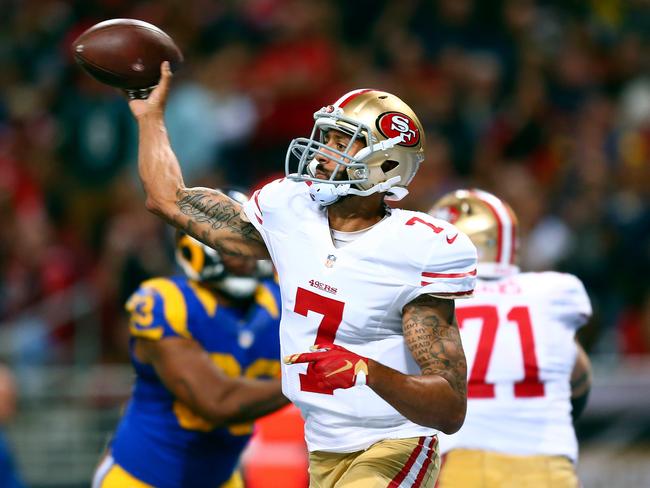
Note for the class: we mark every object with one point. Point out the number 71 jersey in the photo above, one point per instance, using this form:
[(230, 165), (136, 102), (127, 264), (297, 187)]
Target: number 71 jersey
[(353, 296), (518, 336)]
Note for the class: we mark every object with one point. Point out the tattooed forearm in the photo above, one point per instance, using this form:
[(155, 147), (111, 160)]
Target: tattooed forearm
[(207, 206), (432, 335), (214, 219)]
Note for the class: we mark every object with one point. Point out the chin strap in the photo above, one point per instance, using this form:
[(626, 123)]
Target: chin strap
[(396, 193), (328, 193)]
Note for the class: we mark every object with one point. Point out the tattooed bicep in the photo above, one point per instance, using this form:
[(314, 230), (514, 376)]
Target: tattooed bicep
[(431, 334), (428, 304)]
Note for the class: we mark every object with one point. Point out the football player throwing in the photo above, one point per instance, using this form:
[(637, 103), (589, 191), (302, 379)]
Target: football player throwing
[(370, 288)]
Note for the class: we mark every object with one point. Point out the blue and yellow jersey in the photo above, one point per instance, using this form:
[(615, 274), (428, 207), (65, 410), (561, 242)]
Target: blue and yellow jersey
[(161, 441)]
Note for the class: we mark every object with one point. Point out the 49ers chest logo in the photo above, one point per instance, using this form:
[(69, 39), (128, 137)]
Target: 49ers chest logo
[(393, 124)]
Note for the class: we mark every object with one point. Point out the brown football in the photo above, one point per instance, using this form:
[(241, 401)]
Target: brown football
[(125, 53)]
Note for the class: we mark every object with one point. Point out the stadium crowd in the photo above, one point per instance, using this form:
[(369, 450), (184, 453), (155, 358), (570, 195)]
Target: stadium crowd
[(543, 102)]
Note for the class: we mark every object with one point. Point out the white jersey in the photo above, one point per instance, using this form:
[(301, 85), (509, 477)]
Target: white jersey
[(353, 296), (518, 336)]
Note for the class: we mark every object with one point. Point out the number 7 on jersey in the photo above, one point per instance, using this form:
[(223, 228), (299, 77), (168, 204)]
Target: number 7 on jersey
[(332, 312)]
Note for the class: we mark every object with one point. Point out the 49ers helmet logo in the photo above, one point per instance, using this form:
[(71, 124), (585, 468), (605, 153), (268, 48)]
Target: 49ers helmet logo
[(393, 124)]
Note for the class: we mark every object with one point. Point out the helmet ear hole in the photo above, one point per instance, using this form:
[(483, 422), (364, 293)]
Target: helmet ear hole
[(388, 165), (187, 253)]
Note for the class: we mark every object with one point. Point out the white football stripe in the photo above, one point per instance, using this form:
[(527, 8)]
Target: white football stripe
[(504, 219), (418, 464), (349, 94)]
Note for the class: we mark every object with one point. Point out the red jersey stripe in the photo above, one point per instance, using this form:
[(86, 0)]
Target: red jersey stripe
[(448, 275), (257, 202), (448, 293)]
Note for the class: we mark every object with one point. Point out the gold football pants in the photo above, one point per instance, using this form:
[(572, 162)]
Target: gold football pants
[(392, 463), (466, 468), (111, 475)]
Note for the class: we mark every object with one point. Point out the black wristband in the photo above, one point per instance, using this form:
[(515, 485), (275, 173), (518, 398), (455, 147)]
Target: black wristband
[(139, 93)]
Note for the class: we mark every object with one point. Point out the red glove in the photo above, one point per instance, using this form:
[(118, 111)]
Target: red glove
[(333, 366)]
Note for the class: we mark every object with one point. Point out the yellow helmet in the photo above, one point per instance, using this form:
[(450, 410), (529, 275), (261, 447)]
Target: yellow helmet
[(489, 222), (390, 131)]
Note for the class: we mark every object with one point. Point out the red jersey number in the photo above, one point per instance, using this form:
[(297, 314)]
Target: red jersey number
[(332, 312), (478, 387), (415, 220)]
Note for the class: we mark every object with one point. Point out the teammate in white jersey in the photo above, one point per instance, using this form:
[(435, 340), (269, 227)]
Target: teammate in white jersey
[(369, 288), (525, 367)]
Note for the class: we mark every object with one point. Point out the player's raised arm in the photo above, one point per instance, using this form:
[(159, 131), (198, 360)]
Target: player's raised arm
[(438, 397), (208, 215)]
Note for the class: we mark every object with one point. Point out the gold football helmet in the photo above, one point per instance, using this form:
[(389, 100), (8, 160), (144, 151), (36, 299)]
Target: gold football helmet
[(489, 222), (394, 147)]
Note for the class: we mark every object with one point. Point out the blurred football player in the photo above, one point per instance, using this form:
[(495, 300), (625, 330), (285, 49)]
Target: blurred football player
[(368, 288), (206, 355), (527, 375)]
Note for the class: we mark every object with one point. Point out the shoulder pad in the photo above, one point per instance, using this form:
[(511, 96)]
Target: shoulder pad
[(158, 308)]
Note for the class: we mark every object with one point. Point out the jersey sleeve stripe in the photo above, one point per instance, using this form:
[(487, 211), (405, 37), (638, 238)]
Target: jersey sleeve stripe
[(448, 275), (257, 204), (467, 293)]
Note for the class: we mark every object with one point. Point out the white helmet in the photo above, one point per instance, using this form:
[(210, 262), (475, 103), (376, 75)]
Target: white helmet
[(390, 131)]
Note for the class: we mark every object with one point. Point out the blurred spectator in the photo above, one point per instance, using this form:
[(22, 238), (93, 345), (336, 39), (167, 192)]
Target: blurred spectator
[(97, 135), (9, 476), (209, 109), (290, 77)]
